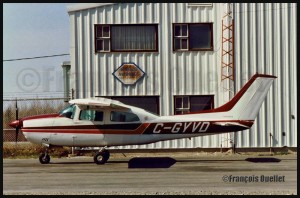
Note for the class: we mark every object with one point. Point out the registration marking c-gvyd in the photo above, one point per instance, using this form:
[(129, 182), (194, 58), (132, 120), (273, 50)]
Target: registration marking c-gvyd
[(182, 127)]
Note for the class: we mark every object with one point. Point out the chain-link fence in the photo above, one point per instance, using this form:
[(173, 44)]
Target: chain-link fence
[(24, 108)]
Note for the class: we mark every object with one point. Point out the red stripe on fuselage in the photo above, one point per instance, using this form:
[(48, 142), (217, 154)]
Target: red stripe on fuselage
[(89, 130), (145, 128)]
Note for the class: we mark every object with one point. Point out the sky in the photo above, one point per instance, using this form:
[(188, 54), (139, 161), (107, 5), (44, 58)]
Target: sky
[(34, 30)]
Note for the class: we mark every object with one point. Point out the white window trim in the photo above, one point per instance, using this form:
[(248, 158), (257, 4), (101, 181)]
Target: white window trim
[(200, 4)]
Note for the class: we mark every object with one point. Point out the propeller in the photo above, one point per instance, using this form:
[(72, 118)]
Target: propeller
[(17, 133), (17, 124), (17, 118)]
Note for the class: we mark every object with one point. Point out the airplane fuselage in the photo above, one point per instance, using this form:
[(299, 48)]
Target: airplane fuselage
[(63, 131)]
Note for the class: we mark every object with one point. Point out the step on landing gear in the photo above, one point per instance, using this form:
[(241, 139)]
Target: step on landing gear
[(101, 156)]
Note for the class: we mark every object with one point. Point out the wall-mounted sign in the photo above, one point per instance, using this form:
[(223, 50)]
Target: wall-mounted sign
[(128, 73)]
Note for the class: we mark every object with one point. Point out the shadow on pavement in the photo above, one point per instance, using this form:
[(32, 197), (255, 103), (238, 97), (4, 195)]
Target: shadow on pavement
[(151, 162), (263, 159)]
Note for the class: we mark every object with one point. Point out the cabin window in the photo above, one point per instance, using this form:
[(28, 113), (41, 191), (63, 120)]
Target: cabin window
[(193, 37), (117, 116), (126, 38), (91, 115), (188, 104)]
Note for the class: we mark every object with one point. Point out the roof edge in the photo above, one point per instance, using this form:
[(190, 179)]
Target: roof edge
[(83, 6)]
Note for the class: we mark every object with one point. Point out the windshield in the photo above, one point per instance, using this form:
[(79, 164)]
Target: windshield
[(68, 112)]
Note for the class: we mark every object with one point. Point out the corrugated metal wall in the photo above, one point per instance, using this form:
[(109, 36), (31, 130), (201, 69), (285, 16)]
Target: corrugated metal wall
[(265, 42)]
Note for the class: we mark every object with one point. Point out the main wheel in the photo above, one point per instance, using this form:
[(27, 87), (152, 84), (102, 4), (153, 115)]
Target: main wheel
[(101, 157), (44, 158)]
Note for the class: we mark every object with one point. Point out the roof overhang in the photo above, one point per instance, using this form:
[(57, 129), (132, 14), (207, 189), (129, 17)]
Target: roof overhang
[(83, 6)]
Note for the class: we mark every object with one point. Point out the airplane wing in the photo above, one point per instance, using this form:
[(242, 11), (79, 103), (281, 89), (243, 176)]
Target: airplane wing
[(99, 102)]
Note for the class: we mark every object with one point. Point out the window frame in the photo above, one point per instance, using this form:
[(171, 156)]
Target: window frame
[(189, 38), (188, 109), (110, 38), (182, 109), (95, 111), (102, 37)]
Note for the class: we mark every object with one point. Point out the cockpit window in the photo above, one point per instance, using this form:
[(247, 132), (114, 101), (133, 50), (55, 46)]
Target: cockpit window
[(68, 112), (117, 116)]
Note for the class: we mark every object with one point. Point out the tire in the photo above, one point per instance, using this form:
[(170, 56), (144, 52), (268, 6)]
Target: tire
[(101, 157), (44, 158)]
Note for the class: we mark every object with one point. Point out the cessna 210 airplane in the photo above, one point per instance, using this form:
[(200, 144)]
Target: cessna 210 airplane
[(102, 122)]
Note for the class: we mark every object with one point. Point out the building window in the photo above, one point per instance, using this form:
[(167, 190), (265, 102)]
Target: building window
[(103, 38), (126, 38), (193, 37), (188, 104), (182, 104)]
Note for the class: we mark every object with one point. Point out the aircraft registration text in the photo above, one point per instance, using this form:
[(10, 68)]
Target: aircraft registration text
[(180, 127)]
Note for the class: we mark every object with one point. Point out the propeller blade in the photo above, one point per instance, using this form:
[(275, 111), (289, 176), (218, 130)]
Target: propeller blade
[(17, 133), (17, 118)]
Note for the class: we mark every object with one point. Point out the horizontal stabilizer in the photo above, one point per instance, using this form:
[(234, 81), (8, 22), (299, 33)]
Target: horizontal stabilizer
[(230, 124)]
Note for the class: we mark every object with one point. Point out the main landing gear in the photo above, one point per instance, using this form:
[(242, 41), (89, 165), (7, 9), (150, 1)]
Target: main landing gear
[(45, 157), (101, 156)]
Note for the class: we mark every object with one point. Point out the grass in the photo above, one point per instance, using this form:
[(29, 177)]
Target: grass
[(28, 150)]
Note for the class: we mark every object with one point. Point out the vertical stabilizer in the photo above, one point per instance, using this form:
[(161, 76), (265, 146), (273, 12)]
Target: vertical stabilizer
[(248, 105)]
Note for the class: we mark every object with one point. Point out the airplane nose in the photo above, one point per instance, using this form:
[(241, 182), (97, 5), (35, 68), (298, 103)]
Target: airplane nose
[(15, 124)]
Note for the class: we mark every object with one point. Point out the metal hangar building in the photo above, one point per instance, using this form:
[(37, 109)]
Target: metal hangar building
[(175, 58)]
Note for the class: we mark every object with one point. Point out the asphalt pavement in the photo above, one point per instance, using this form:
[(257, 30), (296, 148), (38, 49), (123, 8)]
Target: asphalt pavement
[(154, 173)]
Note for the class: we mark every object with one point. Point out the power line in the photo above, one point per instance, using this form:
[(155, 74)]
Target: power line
[(269, 9), (36, 57)]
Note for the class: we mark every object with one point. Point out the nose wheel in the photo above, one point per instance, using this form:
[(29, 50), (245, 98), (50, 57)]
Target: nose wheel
[(101, 156)]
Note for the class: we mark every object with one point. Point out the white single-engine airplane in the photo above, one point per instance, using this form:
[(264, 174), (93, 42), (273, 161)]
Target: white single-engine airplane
[(101, 122)]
